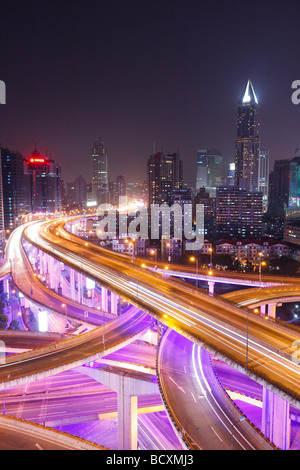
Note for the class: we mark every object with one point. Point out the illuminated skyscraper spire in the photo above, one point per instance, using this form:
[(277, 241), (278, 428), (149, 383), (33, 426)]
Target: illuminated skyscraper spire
[(249, 94)]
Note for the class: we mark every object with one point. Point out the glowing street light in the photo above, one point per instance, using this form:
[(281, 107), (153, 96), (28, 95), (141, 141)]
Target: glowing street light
[(194, 258)]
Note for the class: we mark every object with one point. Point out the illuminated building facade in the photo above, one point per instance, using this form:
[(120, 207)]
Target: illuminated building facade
[(209, 168), (294, 186), (238, 212), (100, 188), (165, 176), (44, 180), (247, 147), (13, 187), (263, 176)]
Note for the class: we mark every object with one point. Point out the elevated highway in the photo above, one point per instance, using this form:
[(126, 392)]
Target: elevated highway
[(262, 350), (233, 334)]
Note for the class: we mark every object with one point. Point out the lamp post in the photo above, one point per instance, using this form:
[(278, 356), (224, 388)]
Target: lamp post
[(261, 263), (169, 246), (194, 258), (154, 252), (260, 255), (210, 251)]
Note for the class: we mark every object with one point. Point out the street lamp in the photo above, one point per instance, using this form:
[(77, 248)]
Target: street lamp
[(261, 263), (210, 251), (169, 246), (194, 258), (154, 252)]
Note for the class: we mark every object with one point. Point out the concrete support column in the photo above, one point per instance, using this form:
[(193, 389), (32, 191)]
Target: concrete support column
[(41, 262), (46, 263), (276, 423), (35, 253), (6, 285), (211, 287), (59, 284), (272, 310), (80, 287), (72, 283), (52, 272), (262, 310), (127, 418), (104, 299), (114, 303)]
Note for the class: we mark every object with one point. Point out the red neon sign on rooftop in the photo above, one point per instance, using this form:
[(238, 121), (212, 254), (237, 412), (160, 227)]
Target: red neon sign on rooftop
[(37, 160)]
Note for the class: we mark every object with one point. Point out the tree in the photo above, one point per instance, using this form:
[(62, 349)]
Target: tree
[(3, 321)]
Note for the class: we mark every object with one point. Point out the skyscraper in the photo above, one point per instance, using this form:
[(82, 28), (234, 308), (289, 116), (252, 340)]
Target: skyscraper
[(263, 176), (165, 176), (279, 182), (100, 187), (117, 189), (238, 212), (247, 146), (13, 186), (294, 187), (209, 168), (44, 181)]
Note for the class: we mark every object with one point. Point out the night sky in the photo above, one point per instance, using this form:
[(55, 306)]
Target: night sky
[(136, 74)]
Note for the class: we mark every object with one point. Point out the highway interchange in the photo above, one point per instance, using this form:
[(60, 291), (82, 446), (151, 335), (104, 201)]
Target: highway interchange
[(257, 347)]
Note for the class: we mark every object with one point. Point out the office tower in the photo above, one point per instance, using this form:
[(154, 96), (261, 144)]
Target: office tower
[(247, 143), (263, 176), (100, 187), (13, 187), (165, 175), (209, 206), (230, 177), (44, 181), (294, 186), (80, 191), (279, 188), (209, 168), (117, 189), (238, 212)]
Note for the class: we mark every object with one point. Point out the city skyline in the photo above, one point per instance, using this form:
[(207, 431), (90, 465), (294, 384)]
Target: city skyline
[(153, 94)]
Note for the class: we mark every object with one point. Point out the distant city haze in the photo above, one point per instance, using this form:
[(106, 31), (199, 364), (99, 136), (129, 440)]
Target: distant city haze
[(142, 75)]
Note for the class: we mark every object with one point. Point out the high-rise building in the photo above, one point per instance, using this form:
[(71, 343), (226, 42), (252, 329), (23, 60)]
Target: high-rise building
[(230, 176), (209, 168), (80, 191), (279, 187), (294, 186), (209, 206), (247, 146), (44, 182), (165, 176), (263, 176), (13, 187), (100, 187), (238, 212), (117, 189)]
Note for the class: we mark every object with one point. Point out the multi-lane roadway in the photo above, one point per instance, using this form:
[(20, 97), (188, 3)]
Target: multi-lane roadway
[(246, 341)]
